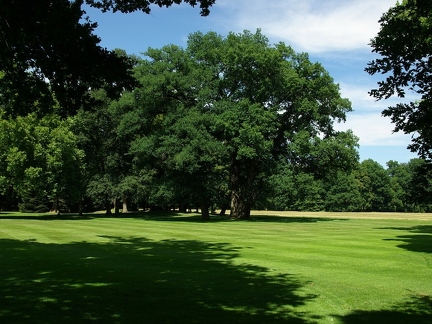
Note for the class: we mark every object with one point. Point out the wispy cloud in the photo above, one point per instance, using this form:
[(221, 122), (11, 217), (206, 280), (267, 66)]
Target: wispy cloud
[(374, 130), (313, 26)]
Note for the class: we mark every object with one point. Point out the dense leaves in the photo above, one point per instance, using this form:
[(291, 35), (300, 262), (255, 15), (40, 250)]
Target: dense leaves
[(228, 122), (404, 44), (40, 162), (145, 6), (49, 53), (230, 107)]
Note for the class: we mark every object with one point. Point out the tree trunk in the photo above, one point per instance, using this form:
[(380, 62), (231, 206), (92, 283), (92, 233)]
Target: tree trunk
[(55, 207), (205, 215), (107, 206), (223, 209), (182, 208), (242, 180), (125, 207), (116, 207), (240, 207)]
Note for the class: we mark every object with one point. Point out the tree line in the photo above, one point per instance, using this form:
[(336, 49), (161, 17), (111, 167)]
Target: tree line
[(227, 122)]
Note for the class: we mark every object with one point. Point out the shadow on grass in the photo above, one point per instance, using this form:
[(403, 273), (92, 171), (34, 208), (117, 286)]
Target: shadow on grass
[(419, 241), (293, 219), (171, 216), (135, 280), (182, 217), (44, 217), (418, 310), (75, 216)]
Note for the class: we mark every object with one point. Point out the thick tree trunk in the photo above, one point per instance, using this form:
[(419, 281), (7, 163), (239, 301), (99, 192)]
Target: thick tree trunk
[(125, 206), (240, 207), (107, 206), (56, 207), (116, 207), (205, 215), (182, 208), (242, 180)]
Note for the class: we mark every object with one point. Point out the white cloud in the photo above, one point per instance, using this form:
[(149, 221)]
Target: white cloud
[(360, 98), (313, 26), (374, 130)]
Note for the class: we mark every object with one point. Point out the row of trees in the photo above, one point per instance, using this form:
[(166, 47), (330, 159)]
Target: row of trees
[(218, 123), (402, 187), (49, 164), (227, 122)]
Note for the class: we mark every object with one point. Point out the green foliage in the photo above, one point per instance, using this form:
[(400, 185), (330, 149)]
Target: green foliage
[(34, 203), (110, 174), (308, 193), (50, 54), (144, 6), (404, 43), (419, 192), (343, 193), (375, 187), (225, 108), (40, 159)]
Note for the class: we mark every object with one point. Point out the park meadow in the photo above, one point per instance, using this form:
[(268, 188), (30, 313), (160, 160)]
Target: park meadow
[(168, 267)]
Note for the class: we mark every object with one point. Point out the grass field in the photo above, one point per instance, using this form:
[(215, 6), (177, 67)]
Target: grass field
[(173, 268)]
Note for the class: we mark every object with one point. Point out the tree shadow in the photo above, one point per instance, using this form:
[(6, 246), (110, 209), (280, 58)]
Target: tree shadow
[(419, 241), (293, 219), (196, 218), (136, 280), (44, 217), (418, 310), (170, 216)]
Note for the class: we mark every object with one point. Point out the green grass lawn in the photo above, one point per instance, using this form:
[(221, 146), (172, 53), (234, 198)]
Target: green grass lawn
[(173, 268)]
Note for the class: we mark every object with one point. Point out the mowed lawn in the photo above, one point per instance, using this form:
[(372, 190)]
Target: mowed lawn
[(173, 268)]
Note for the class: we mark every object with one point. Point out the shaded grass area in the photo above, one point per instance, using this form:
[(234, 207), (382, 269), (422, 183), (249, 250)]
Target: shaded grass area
[(133, 280), (417, 310), (173, 268)]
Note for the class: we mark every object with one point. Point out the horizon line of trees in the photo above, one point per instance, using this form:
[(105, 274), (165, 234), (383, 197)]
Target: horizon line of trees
[(230, 123)]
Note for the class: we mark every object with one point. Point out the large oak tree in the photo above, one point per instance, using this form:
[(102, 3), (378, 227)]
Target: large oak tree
[(258, 97)]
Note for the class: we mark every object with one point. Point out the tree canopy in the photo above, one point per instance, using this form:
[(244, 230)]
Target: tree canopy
[(145, 6), (404, 44), (251, 102), (49, 53)]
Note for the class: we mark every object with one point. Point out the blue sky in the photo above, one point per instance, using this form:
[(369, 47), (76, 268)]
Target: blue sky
[(335, 33)]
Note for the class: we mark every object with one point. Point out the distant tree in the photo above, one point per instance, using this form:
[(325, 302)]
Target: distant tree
[(318, 167), (110, 176), (308, 193), (41, 161), (282, 186), (404, 43), (342, 193), (399, 182), (374, 186)]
